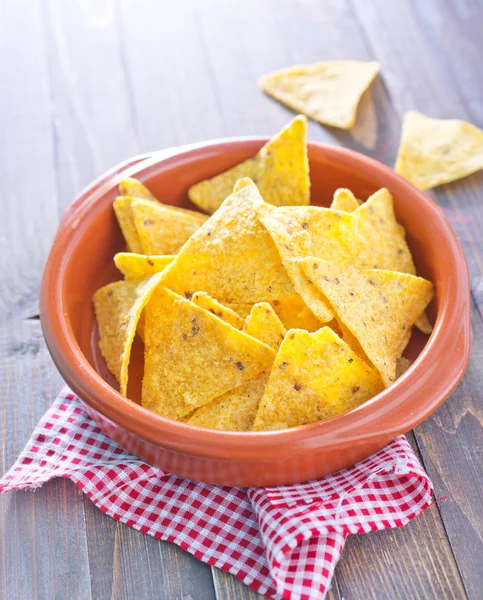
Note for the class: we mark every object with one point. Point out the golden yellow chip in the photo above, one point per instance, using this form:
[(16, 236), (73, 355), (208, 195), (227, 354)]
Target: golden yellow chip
[(345, 200), (235, 410), (295, 314), (192, 356), (232, 256), (264, 325), (134, 188), (163, 230), (123, 212), (140, 266), (315, 376), (241, 309), (437, 151), (118, 307), (300, 231), (378, 307), (280, 170), (223, 312), (328, 92)]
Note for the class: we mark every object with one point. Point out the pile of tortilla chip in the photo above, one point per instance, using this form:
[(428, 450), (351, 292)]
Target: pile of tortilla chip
[(270, 313)]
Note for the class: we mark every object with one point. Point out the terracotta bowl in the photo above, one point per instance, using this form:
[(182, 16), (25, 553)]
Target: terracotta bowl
[(81, 261)]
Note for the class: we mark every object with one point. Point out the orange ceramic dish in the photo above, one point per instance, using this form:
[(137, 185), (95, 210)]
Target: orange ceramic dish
[(81, 261)]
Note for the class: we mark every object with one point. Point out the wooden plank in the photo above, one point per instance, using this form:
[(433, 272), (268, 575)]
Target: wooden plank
[(434, 85)]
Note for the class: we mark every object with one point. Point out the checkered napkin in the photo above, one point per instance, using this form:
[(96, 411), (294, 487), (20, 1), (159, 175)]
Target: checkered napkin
[(284, 542)]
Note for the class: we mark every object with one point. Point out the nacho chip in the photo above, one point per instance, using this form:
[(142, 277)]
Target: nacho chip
[(437, 151), (328, 92), (295, 314), (403, 365), (232, 256), (378, 307), (140, 266), (192, 356), (118, 307), (312, 231), (264, 325), (222, 312), (315, 376), (134, 188), (235, 410), (123, 212), (280, 170), (162, 230), (241, 309), (345, 200)]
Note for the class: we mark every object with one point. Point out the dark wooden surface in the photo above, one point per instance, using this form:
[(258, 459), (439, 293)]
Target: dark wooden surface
[(86, 84)]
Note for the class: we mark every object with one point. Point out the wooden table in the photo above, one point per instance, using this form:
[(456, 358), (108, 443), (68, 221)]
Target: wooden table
[(86, 84)]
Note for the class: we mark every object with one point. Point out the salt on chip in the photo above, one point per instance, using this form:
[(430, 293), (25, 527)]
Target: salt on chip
[(192, 357), (216, 308), (162, 230), (345, 200), (315, 376), (436, 151), (140, 266), (123, 212), (118, 307), (264, 325), (235, 410), (295, 314), (378, 307), (386, 240), (328, 92), (232, 256), (300, 231), (280, 169)]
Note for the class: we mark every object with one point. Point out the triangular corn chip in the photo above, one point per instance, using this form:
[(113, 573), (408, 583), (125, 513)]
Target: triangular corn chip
[(241, 309), (235, 410), (192, 356), (123, 212), (295, 314), (264, 325), (280, 170), (386, 240), (134, 188), (328, 92), (232, 256), (300, 231), (162, 230), (436, 151), (345, 200), (140, 266), (378, 307), (315, 376), (223, 312), (118, 307), (403, 365)]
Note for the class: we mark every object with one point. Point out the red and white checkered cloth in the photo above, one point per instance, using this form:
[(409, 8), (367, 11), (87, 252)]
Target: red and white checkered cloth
[(284, 542)]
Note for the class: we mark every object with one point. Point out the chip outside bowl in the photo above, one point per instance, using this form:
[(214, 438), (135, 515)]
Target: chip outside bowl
[(79, 262)]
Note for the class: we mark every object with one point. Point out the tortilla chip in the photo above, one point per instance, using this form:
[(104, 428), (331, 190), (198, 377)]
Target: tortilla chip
[(386, 240), (312, 231), (232, 256), (140, 266), (223, 312), (295, 314), (264, 325), (241, 309), (235, 410), (123, 212), (192, 356), (315, 376), (162, 230), (118, 307), (378, 307), (134, 188), (345, 200), (280, 169), (328, 92), (436, 151), (403, 365)]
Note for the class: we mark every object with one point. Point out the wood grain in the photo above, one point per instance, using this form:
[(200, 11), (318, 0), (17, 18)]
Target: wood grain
[(87, 84)]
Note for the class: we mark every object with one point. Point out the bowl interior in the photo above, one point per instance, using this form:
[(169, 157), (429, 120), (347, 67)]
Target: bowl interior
[(90, 264)]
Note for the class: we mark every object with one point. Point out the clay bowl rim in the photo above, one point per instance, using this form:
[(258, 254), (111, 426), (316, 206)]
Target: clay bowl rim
[(452, 322)]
